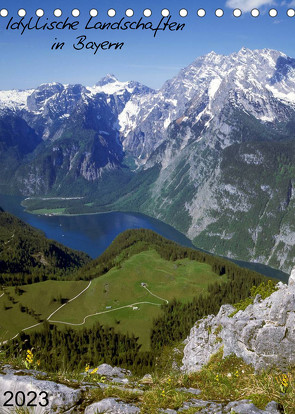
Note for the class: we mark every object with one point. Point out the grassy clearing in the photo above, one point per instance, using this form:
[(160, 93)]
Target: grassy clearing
[(39, 297), (49, 211), (121, 286), (182, 279)]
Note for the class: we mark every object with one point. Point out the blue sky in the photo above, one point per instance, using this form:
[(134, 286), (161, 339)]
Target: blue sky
[(27, 61)]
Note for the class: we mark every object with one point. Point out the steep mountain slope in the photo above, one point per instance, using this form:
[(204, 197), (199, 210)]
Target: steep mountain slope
[(77, 131), (211, 152), (27, 256), (227, 174)]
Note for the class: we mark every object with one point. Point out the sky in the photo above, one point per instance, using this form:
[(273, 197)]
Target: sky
[(27, 60)]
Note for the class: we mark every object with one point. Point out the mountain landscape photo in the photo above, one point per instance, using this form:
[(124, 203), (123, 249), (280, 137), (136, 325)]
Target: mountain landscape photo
[(210, 153), (147, 204)]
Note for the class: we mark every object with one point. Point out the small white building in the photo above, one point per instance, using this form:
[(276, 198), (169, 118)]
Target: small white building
[(135, 308), (108, 307)]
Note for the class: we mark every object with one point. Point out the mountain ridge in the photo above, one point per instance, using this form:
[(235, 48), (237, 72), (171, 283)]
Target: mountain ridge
[(169, 153)]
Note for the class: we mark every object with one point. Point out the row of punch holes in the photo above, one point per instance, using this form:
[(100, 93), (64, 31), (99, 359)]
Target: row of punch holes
[(148, 12)]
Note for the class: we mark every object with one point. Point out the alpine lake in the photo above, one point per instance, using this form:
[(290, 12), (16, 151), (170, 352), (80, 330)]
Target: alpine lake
[(93, 233)]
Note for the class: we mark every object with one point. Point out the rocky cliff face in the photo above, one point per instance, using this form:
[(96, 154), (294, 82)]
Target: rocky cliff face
[(263, 335), (69, 132)]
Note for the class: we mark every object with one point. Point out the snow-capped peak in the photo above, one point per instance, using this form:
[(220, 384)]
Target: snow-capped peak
[(109, 78), (110, 85), (256, 81)]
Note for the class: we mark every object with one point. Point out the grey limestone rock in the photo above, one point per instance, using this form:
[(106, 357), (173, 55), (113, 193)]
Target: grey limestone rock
[(246, 407), (203, 341), (194, 391), (202, 406), (238, 407), (111, 406), (292, 277), (109, 371), (114, 374), (263, 335), (60, 397)]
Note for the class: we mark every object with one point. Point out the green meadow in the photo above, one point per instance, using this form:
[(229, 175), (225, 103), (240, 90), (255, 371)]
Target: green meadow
[(121, 286), (39, 297)]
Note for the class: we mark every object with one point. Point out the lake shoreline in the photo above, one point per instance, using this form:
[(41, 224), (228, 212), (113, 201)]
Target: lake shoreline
[(93, 232)]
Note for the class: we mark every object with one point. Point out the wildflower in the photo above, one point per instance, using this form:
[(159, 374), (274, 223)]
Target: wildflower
[(87, 367), (102, 379), (29, 357), (163, 393), (217, 377), (237, 373), (229, 375), (283, 382), (94, 371), (38, 362)]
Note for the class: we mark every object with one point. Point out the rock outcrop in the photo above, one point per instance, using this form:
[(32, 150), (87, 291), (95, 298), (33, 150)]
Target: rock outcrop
[(111, 406), (52, 396), (237, 407), (64, 399), (263, 335), (114, 374), (76, 399)]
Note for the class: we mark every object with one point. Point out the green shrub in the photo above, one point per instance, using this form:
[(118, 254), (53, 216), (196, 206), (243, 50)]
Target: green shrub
[(264, 290)]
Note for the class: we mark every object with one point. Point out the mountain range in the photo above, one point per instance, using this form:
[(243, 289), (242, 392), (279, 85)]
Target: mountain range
[(212, 152)]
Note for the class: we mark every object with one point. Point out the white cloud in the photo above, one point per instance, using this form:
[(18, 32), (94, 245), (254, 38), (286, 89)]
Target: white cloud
[(248, 5)]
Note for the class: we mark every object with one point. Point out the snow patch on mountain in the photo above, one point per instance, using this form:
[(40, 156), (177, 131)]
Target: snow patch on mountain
[(214, 86), (14, 99), (112, 88)]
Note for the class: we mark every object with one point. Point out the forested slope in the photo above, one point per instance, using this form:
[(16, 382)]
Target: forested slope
[(27, 256)]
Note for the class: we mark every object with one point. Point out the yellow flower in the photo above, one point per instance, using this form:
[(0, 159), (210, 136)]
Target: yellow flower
[(94, 371), (87, 368), (29, 357), (38, 362), (283, 382)]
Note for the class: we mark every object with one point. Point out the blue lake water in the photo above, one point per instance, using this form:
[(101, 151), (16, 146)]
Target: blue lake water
[(94, 233), (90, 233)]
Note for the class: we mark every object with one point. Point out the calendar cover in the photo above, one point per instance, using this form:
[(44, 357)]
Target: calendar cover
[(147, 206)]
